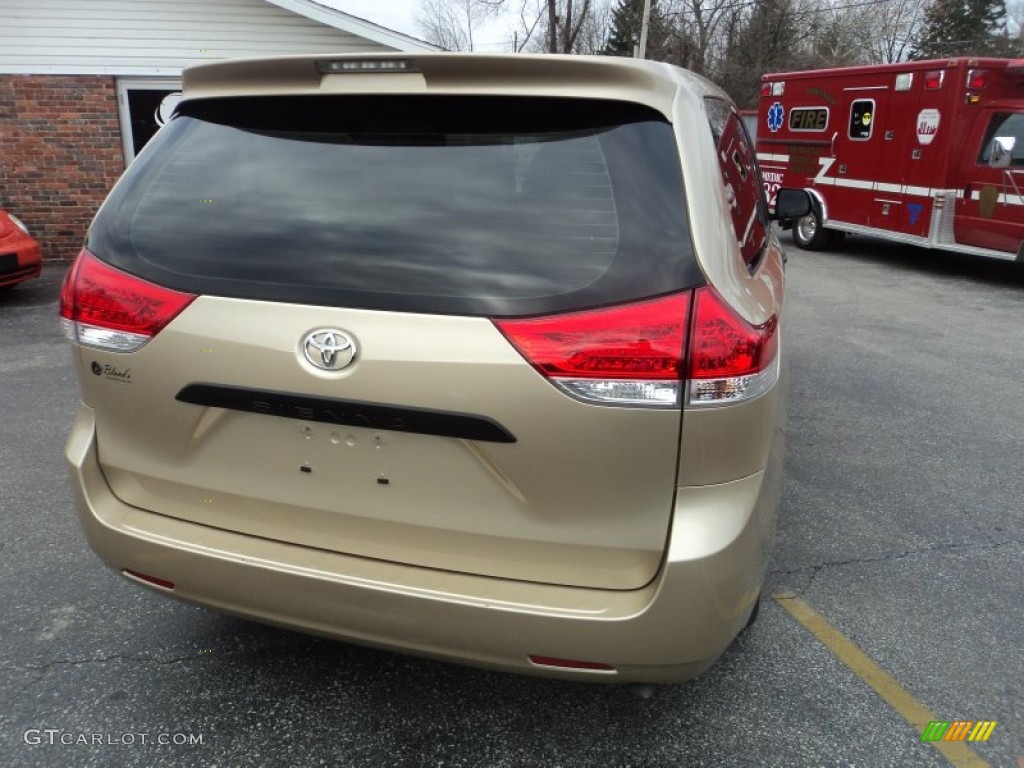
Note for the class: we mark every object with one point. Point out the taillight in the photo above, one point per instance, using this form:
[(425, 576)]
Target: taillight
[(625, 355), (105, 308), (636, 354), (730, 359), (933, 79)]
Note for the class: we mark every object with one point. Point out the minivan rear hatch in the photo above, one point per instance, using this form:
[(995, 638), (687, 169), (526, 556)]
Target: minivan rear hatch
[(344, 379)]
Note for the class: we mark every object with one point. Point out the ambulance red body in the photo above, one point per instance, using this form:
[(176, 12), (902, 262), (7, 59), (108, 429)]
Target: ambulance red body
[(929, 152)]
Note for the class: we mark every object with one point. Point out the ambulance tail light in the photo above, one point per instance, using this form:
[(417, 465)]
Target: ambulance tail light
[(766, 89), (933, 79), (976, 80)]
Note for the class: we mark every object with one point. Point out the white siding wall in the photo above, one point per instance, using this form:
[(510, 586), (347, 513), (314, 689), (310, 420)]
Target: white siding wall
[(154, 37)]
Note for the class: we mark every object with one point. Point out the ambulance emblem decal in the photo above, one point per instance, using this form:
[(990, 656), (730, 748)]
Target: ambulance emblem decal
[(775, 115), (927, 125)]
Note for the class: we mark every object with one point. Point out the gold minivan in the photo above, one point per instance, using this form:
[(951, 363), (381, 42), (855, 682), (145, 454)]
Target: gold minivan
[(477, 357)]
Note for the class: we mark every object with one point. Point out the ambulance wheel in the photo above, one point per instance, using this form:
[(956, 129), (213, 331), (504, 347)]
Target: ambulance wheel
[(809, 234)]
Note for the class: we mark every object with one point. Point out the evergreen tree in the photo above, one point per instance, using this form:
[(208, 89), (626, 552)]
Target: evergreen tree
[(964, 28), (624, 36)]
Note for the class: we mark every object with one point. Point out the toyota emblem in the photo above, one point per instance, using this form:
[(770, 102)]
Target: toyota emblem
[(328, 349)]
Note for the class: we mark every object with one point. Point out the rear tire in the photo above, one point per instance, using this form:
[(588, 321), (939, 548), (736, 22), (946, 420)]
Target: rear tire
[(809, 234)]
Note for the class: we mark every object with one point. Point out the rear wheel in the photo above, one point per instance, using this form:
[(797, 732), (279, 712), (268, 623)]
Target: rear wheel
[(809, 234)]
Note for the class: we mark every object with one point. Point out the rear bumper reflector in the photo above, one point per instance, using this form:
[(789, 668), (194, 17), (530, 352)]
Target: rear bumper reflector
[(591, 666), (152, 581), (352, 413)]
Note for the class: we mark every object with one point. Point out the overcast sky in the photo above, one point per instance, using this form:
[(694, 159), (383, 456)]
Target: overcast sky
[(400, 15)]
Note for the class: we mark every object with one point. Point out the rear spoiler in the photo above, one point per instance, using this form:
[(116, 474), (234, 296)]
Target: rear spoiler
[(645, 82)]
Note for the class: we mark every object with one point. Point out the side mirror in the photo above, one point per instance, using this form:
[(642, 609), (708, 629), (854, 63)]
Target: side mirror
[(1001, 152), (791, 204)]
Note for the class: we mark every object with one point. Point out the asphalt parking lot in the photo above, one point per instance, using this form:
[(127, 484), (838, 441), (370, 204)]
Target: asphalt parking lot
[(901, 527)]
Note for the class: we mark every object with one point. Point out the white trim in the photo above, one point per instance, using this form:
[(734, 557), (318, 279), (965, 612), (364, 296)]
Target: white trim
[(922, 242), (124, 117), (108, 71), (903, 189), (348, 23), (878, 186), (1003, 199), (832, 181), (826, 164), (886, 234)]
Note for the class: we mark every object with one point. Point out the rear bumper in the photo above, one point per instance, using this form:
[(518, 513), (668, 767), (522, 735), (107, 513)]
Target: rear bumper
[(668, 631), (30, 262)]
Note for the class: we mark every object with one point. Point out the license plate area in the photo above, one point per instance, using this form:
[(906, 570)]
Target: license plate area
[(8, 263)]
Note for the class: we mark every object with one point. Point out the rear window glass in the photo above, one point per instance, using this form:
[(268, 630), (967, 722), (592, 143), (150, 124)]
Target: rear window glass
[(457, 205)]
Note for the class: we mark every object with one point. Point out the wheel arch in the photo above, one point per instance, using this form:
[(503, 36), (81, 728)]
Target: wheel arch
[(819, 201)]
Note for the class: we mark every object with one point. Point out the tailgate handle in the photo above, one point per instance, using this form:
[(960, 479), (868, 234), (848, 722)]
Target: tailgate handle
[(352, 413)]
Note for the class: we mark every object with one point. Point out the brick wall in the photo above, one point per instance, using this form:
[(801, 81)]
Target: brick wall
[(60, 153)]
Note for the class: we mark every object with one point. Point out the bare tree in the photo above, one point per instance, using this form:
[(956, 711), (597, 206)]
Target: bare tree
[(889, 29), (565, 22), (450, 24), (531, 12), (700, 29), (593, 33), (561, 26), (838, 35)]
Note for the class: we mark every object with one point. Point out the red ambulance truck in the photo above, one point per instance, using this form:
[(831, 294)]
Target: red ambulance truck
[(928, 152)]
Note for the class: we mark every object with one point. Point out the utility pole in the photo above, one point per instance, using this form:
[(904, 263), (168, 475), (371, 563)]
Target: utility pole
[(644, 24)]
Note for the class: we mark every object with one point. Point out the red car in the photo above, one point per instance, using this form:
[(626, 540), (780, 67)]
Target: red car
[(19, 252)]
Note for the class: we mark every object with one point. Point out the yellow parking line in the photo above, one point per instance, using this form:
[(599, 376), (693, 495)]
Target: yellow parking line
[(909, 708)]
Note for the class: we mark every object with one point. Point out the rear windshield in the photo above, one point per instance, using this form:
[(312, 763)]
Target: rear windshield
[(456, 205)]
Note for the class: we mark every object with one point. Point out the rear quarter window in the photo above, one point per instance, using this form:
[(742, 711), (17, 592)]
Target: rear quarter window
[(462, 205), (741, 179)]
